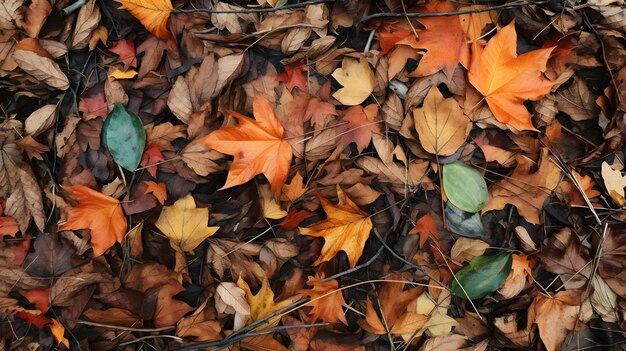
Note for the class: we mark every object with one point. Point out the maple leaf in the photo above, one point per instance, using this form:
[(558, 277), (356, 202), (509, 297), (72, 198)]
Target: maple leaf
[(507, 80), (262, 304), (185, 225), (317, 111), (125, 49), (326, 300), (150, 158), (93, 106), (257, 145), (558, 314), (346, 229), (441, 124), (159, 190), (444, 40), (293, 77), (292, 191), (295, 217), (32, 148), (362, 123), (357, 80), (526, 191), (153, 14), (101, 214), (40, 298), (425, 227)]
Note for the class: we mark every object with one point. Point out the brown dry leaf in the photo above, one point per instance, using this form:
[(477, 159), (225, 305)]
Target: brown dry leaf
[(163, 134), (521, 272), (473, 24), (525, 190), (565, 255), (346, 229), (441, 124), (36, 16), (114, 316), (464, 249), (362, 124), (201, 158), (35, 60), (200, 325), (327, 301), (100, 34), (32, 148), (556, 315), (159, 190), (403, 179), (577, 101), (87, 21), (40, 120), (179, 100)]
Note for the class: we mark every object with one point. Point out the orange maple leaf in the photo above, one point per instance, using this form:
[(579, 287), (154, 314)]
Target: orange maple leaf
[(153, 14), (507, 80), (362, 123), (159, 190), (326, 300), (257, 145), (425, 227), (293, 76), (39, 298), (101, 214), (346, 229), (150, 159), (125, 49), (8, 225)]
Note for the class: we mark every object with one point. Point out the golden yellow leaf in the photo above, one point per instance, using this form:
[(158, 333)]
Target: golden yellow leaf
[(262, 304), (153, 14), (118, 74), (615, 183), (357, 80), (271, 208), (441, 124), (58, 330), (346, 228), (184, 224), (292, 191)]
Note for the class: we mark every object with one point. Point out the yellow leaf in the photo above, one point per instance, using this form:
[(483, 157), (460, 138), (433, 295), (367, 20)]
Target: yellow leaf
[(615, 183), (159, 190), (292, 191), (118, 74), (441, 124), (346, 228), (262, 304), (269, 205), (184, 224), (58, 330), (357, 80), (153, 14)]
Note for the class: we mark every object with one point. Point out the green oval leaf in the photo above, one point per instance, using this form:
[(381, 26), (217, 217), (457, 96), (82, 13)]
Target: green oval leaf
[(464, 187), (483, 275), (123, 135), (464, 223)]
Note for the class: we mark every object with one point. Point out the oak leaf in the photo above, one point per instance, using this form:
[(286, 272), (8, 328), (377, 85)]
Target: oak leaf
[(346, 229), (357, 80), (257, 145), (101, 214), (262, 303), (558, 314), (185, 225), (525, 190), (326, 300), (441, 124), (507, 80), (153, 14)]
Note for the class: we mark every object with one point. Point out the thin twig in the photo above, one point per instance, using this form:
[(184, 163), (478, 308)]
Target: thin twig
[(259, 10), (118, 327)]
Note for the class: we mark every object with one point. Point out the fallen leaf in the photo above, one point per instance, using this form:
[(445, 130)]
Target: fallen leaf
[(101, 214), (474, 23), (40, 120), (326, 300), (526, 191), (157, 189), (292, 191), (271, 208), (125, 49), (317, 111), (425, 227), (262, 304), (32, 148), (521, 272), (153, 14), (185, 225), (100, 34), (258, 146), (441, 124), (36, 61), (40, 298), (36, 16), (93, 106), (293, 76), (464, 249), (150, 158), (163, 134), (558, 314), (295, 217), (346, 229), (614, 183), (231, 299), (507, 80), (362, 124), (357, 80), (87, 21), (129, 74), (58, 331)]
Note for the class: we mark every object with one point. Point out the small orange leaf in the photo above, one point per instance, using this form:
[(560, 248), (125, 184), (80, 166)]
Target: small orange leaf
[(326, 300), (293, 76), (58, 331), (507, 80), (292, 191), (362, 123), (153, 14), (425, 227), (101, 214), (38, 297), (125, 49), (8, 225), (258, 145), (294, 218), (151, 157), (157, 189), (346, 229)]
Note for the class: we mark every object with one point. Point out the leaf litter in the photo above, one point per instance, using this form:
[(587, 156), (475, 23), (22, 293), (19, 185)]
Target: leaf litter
[(317, 175)]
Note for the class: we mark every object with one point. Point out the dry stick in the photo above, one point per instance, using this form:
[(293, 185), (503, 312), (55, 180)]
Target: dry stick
[(259, 10), (110, 326)]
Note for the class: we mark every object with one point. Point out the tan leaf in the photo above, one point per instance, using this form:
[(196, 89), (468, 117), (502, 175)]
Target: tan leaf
[(465, 249), (614, 183), (88, 19), (271, 208), (32, 148), (36, 16), (28, 56), (100, 34), (179, 100), (201, 158), (441, 124), (40, 120), (163, 134)]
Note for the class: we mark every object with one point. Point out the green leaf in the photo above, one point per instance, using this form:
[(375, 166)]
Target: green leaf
[(123, 135), (464, 223), (483, 275), (464, 187)]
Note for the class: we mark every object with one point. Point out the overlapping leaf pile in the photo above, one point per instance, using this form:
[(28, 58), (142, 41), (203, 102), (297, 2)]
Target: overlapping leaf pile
[(211, 174)]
